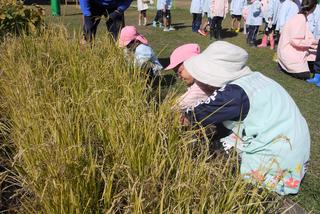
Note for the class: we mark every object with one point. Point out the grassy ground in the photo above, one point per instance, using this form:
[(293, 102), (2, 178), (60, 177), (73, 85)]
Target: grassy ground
[(306, 96)]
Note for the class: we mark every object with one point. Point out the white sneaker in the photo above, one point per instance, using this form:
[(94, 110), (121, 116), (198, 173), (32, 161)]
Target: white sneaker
[(171, 28), (166, 29), (154, 24)]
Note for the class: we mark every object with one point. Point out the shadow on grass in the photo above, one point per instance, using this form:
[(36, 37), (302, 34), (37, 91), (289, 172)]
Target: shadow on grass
[(73, 14), (47, 2), (39, 2), (178, 26), (225, 33)]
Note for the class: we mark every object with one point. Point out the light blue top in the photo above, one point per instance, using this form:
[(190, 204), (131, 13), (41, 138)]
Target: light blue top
[(311, 22), (144, 54), (159, 4), (314, 22), (206, 6), (288, 10), (237, 6), (274, 10), (273, 140), (255, 14), (196, 6), (164, 4)]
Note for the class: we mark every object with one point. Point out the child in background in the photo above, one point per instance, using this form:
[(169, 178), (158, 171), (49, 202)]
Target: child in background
[(316, 33), (142, 8), (206, 24), (137, 47), (218, 11), (295, 43), (314, 22), (236, 8), (158, 19), (254, 21), (271, 21), (166, 6), (196, 11), (288, 10), (316, 79), (194, 93), (245, 13)]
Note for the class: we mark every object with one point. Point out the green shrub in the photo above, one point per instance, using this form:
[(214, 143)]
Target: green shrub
[(15, 18), (89, 138)]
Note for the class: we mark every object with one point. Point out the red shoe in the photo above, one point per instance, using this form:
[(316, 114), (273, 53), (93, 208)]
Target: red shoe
[(264, 42), (202, 32)]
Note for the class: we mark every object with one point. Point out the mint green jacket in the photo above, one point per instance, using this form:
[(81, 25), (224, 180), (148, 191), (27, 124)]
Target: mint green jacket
[(273, 140)]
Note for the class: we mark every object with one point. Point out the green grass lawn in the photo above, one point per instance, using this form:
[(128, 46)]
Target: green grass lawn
[(306, 96)]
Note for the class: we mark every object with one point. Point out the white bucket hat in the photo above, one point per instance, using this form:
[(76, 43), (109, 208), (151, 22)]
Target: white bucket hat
[(219, 64)]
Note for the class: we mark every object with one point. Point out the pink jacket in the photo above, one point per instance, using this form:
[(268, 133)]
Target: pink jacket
[(295, 40), (219, 8), (192, 97)]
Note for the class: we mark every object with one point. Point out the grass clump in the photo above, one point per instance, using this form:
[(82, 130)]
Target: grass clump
[(16, 19), (84, 135)]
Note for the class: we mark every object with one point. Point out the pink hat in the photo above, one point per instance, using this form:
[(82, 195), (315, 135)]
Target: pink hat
[(128, 34), (182, 53)]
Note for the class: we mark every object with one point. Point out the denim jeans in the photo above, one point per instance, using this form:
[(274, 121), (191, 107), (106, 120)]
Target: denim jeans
[(252, 34), (316, 65), (196, 21)]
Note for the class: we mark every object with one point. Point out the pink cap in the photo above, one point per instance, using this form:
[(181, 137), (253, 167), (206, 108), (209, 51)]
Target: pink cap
[(182, 53), (128, 34)]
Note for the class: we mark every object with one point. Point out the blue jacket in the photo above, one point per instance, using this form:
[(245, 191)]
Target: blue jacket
[(120, 5)]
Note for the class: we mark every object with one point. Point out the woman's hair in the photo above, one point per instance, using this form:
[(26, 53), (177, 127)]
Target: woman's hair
[(307, 6)]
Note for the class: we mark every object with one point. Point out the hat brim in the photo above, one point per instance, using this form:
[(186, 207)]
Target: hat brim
[(123, 44), (171, 66)]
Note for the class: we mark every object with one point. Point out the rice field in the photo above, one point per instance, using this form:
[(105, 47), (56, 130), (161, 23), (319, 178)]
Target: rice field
[(83, 132)]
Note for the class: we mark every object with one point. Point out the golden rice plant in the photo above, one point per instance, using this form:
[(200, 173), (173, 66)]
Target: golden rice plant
[(86, 135)]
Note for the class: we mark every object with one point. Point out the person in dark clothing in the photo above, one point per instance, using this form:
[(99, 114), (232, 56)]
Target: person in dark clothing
[(316, 68), (93, 10)]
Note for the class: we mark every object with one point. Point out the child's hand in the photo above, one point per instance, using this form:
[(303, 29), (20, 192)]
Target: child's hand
[(314, 45), (184, 121)]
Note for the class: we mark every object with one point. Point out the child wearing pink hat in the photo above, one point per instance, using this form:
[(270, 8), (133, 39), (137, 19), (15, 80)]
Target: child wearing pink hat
[(194, 93), (136, 45)]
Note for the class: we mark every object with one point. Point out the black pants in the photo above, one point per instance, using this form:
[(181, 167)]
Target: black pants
[(268, 30), (158, 17), (91, 22), (215, 27), (302, 75), (196, 21), (316, 65), (252, 34)]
